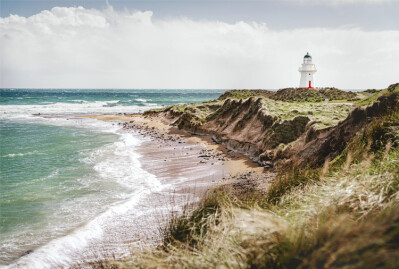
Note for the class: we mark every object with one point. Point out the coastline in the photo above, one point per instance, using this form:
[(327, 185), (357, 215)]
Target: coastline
[(187, 166), (159, 129), (152, 172)]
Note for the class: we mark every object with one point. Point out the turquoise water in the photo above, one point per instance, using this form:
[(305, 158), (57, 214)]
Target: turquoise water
[(64, 179), (40, 165), (121, 97)]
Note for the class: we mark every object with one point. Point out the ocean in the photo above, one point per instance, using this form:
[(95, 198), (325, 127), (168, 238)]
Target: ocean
[(67, 181)]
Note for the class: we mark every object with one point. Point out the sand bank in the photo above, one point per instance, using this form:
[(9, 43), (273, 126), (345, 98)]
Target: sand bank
[(188, 165), (160, 130)]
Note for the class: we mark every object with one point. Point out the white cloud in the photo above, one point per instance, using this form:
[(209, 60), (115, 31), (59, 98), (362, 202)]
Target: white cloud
[(321, 2), (340, 2), (87, 48)]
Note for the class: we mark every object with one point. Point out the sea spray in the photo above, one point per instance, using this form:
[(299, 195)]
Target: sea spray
[(71, 184)]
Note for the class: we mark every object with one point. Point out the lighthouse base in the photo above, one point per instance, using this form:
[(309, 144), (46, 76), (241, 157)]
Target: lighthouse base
[(306, 80)]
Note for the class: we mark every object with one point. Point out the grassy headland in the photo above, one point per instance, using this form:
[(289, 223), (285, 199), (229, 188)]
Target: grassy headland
[(270, 127), (339, 211)]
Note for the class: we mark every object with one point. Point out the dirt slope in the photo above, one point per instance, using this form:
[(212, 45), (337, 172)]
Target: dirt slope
[(274, 133)]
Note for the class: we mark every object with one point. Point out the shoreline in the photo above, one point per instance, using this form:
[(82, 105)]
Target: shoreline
[(188, 166), (153, 172), (159, 129)]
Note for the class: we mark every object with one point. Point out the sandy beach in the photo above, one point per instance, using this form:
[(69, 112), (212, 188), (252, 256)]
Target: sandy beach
[(188, 165), (182, 150)]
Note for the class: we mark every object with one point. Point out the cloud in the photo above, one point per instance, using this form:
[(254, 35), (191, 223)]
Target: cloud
[(341, 2), (89, 48), (316, 2)]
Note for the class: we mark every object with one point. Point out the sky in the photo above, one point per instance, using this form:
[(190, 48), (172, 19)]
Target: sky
[(197, 44)]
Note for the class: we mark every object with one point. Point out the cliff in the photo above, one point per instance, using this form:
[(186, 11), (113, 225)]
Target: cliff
[(343, 214), (274, 132)]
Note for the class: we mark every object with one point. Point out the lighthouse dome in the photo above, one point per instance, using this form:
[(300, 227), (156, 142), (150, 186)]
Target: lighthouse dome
[(307, 55)]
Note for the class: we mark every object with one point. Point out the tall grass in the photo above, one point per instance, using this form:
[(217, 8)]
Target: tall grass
[(342, 215), (190, 227)]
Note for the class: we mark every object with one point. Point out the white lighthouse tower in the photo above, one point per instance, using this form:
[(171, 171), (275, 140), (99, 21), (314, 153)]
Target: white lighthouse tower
[(307, 70)]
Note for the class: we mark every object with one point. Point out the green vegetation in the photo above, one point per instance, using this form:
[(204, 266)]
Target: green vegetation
[(298, 95), (198, 113), (294, 95), (338, 95), (176, 109), (322, 115), (371, 91), (285, 104), (180, 108), (244, 94), (344, 214), (373, 98)]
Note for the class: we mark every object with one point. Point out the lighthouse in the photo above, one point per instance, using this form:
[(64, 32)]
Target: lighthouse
[(307, 70)]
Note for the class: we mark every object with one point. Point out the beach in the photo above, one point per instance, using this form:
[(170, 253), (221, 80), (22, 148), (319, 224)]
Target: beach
[(74, 188), (188, 166), (188, 134), (93, 176)]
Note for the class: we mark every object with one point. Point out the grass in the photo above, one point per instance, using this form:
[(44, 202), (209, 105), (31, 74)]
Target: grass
[(356, 227), (375, 94), (371, 99), (190, 227), (293, 103), (244, 94), (345, 214), (298, 95), (322, 115), (335, 94), (294, 95), (342, 215), (348, 218)]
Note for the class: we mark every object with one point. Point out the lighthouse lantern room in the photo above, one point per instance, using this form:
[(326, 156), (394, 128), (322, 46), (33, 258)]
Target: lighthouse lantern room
[(307, 70)]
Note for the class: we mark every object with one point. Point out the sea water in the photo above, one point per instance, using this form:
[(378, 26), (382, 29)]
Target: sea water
[(66, 181)]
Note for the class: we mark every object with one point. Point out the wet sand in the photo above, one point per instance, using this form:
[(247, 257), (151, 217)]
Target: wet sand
[(187, 166), (190, 164), (164, 136)]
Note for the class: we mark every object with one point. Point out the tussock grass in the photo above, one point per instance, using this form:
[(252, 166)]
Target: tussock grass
[(345, 219), (342, 215), (284, 183), (322, 115), (191, 226)]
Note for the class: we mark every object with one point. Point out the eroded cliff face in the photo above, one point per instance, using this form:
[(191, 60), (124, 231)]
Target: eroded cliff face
[(273, 133), (315, 149)]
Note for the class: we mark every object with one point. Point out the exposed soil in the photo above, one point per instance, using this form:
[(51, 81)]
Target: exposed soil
[(245, 126)]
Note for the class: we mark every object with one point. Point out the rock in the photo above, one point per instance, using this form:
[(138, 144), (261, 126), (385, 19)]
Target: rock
[(27, 252), (266, 164)]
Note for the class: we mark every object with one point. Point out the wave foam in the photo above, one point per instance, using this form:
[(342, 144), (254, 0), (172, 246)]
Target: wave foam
[(116, 163), (80, 108), (12, 155)]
